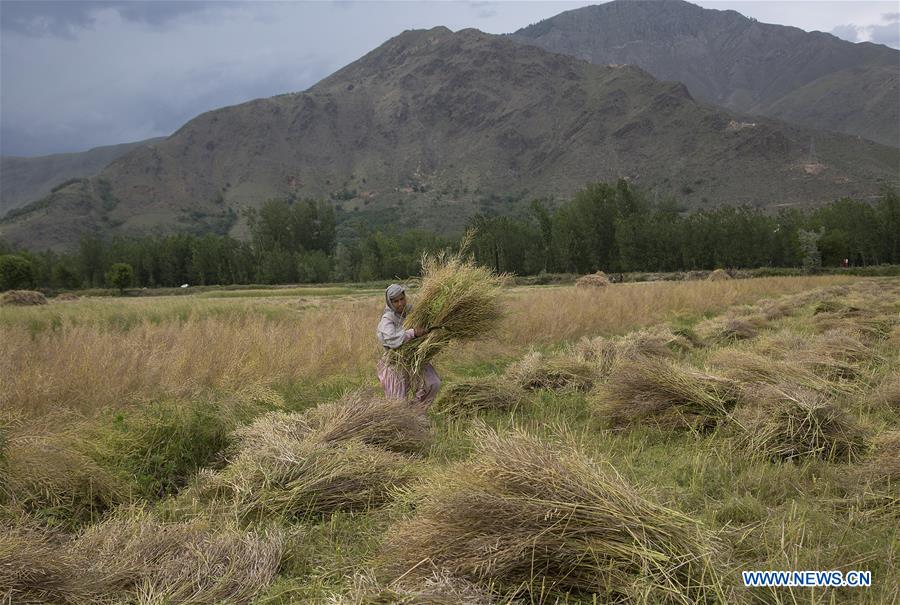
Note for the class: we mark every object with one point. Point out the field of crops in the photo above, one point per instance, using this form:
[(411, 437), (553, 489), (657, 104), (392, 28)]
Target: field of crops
[(637, 443)]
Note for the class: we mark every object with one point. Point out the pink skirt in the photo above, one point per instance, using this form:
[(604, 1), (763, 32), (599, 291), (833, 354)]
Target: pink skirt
[(396, 383)]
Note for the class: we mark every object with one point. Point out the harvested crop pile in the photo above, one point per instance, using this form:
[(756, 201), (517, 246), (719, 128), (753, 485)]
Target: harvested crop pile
[(191, 562), (34, 569), (438, 589), (752, 369), (888, 392), (787, 423), (477, 394), (718, 275), (666, 393), (730, 329), (605, 353), (387, 423), (458, 298), (869, 326), (291, 479), (22, 298), (837, 355), (544, 521), (593, 280), (47, 468), (561, 373), (884, 462)]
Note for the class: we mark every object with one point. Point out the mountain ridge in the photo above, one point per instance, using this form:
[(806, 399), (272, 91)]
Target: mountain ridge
[(26, 179), (731, 60), (433, 126)]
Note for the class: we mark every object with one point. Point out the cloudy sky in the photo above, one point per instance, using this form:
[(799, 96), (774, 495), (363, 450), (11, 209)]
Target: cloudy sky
[(75, 75)]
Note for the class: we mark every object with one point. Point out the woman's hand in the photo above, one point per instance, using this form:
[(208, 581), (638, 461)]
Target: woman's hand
[(420, 331)]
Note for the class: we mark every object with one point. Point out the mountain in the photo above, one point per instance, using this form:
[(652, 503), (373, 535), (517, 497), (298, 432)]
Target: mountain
[(808, 78), (434, 126), (24, 180)]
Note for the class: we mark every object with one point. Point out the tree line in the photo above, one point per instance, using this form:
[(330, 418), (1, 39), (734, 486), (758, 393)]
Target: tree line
[(610, 227)]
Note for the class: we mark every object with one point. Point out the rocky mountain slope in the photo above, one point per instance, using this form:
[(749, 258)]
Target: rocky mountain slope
[(809, 78), (24, 180), (434, 126)]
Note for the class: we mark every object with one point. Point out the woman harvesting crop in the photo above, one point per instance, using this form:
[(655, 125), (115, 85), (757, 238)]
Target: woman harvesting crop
[(391, 335), (458, 300)]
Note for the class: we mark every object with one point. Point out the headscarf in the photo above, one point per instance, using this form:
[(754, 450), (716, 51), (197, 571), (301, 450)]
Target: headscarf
[(390, 328), (393, 291)]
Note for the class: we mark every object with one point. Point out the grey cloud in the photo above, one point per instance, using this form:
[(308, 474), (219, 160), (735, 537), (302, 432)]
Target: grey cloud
[(153, 112), (847, 32), (64, 19), (888, 35)]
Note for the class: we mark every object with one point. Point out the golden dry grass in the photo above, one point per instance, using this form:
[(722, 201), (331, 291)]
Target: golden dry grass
[(543, 521), (90, 354)]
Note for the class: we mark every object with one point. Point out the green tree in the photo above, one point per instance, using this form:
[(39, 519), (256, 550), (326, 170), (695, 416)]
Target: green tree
[(121, 276), (16, 272)]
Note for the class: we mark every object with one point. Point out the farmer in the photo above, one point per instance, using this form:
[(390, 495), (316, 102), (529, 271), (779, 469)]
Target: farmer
[(391, 335)]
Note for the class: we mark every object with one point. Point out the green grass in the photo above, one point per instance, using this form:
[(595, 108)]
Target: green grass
[(278, 292)]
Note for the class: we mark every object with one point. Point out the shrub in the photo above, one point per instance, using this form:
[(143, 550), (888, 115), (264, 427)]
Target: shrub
[(16, 272), (160, 445), (121, 276)]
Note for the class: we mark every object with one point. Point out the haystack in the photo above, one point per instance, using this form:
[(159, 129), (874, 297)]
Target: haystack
[(718, 275), (459, 299), (479, 394), (789, 423), (387, 423), (593, 280), (286, 478), (544, 521), (561, 373), (22, 298), (143, 560), (665, 393)]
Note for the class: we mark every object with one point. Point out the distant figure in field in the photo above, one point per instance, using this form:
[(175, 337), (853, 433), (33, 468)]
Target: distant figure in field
[(390, 332)]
